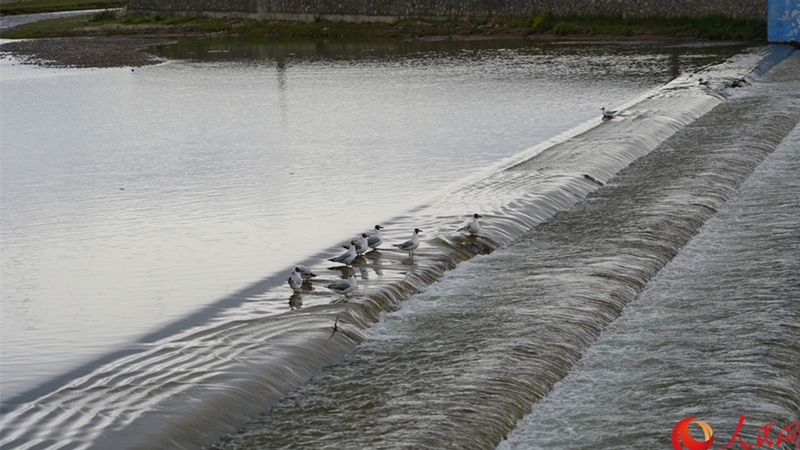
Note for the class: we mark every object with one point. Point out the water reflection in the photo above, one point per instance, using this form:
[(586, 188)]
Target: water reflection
[(346, 271), (375, 258), (280, 69), (361, 264), (295, 301), (264, 49)]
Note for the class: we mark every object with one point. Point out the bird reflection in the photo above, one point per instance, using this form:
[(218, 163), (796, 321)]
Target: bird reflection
[(346, 271), (376, 259), (295, 301), (363, 268), (409, 261)]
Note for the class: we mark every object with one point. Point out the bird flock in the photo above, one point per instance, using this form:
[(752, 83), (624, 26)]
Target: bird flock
[(741, 82), (360, 246), (608, 114), (366, 242)]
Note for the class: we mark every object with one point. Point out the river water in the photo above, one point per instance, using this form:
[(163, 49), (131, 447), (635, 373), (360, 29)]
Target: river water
[(150, 218)]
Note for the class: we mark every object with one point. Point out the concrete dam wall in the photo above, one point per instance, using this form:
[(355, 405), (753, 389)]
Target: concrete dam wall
[(392, 10)]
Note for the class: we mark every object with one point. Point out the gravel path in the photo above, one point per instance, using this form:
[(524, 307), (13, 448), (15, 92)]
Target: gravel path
[(115, 51)]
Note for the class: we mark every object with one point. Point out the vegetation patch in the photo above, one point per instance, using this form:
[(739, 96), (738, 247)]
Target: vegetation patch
[(716, 27), (540, 25)]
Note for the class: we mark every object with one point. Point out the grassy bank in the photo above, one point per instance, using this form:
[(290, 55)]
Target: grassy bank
[(542, 25)]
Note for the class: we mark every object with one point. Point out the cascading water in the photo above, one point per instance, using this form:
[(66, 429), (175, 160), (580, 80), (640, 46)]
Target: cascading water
[(463, 361), (715, 334)]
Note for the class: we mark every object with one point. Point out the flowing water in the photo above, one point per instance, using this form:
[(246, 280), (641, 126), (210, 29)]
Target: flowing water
[(715, 336), (147, 232)]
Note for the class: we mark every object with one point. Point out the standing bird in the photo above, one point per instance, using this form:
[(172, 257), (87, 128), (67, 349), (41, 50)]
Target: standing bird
[(305, 272), (347, 257), (361, 244), (607, 114), (474, 227), (344, 287), (296, 280), (703, 82), (411, 244), (376, 239)]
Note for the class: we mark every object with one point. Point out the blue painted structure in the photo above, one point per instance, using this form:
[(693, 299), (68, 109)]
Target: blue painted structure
[(783, 21)]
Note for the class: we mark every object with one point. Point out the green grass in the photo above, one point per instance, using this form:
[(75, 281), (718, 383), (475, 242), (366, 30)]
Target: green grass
[(710, 27), (716, 27), (12, 7)]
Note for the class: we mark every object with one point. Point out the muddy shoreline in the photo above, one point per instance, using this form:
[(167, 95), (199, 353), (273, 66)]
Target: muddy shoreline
[(85, 52)]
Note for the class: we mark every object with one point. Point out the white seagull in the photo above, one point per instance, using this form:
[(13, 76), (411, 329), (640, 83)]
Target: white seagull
[(348, 256), (475, 226), (376, 239), (305, 272), (296, 280), (361, 244), (607, 114), (411, 244), (344, 287)]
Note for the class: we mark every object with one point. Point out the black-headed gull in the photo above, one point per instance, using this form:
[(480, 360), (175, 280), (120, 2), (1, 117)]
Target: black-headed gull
[(344, 287), (411, 244), (376, 239), (475, 226), (348, 256), (296, 280), (703, 82), (305, 272), (607, 114), (361, 244)]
